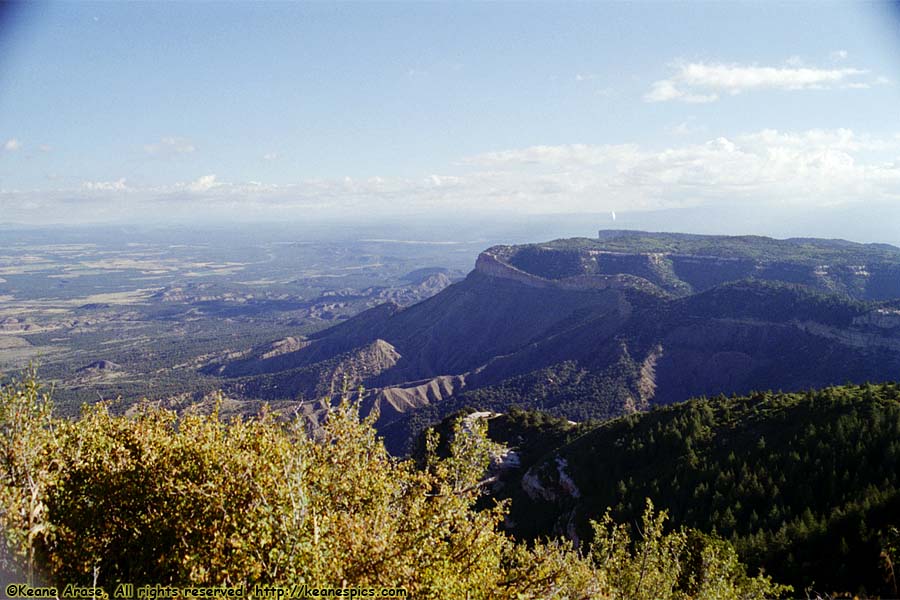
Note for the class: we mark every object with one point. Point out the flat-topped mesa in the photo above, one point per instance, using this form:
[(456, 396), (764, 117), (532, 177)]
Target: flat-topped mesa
[(493, 263), (489, 263), (682, 264)]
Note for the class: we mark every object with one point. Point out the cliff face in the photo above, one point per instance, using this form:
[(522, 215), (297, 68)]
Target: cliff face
[(493, 264), (859, 272)]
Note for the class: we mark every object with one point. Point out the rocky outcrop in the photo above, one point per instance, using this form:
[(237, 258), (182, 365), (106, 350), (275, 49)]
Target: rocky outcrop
[(492, 264), (489, 263), (647, 382), (361, 365), (99, 371), (550, 482), (283, 346), (101, 365), (401, 398)]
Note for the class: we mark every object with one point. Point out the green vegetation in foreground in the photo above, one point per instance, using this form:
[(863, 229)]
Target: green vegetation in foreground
[(804, 485), (194, 501)]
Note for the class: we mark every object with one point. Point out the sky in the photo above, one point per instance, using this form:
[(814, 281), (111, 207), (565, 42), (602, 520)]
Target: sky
[(232, 111)]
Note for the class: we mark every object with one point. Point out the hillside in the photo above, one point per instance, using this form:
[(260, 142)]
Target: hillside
[(596, 328), (805, 485)]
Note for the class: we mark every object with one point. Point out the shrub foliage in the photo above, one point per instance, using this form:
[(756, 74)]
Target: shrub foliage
[(157, 498)]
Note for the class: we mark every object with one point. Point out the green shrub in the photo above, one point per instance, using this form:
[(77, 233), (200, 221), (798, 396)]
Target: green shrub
[(158, 498)]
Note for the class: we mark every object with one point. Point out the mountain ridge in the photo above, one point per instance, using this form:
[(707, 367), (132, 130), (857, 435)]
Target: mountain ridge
[(681, 264), (621, 342)]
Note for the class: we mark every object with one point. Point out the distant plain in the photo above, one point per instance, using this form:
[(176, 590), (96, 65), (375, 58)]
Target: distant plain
[(129, 313)]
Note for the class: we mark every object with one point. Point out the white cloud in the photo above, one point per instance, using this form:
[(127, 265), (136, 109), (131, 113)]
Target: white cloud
[(844, 140), (814, 168), (838, 55), (170, 146), (118, 185), (807, 169), (583, 77), (705, 82), (665, 90), (12, 144), (203, 184), (270, 156)]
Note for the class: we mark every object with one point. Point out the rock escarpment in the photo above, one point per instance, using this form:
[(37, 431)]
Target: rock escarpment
[(681, 264)]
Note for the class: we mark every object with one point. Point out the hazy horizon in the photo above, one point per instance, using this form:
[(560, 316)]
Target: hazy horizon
[(840, 222)]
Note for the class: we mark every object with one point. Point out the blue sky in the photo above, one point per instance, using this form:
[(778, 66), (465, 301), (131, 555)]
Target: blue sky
[(133, 111)]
